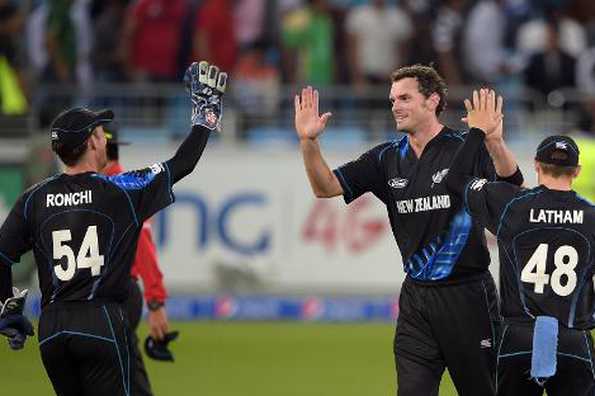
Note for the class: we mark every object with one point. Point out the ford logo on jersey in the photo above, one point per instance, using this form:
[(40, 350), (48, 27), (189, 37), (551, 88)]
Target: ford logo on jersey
[(397, 182)]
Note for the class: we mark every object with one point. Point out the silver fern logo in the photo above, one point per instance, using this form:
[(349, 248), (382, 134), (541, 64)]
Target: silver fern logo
[(439, 176)]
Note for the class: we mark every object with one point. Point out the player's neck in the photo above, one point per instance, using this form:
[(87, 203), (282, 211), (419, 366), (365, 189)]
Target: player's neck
[(555, 183), (419, 138), (84, 165)]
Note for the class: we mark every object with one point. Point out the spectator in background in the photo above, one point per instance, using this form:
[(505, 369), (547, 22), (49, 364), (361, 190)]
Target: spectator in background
[(308, 32), (483, 42), (256, 84), (215, 19), (421, 50), (532, 35), (249, 18), (377, 37), (11, 24), (553, 68), (446, 37), (151, 39), (12, 87), (59, 40), (585, 82), (583, 11), (107, 56), (68, 41)]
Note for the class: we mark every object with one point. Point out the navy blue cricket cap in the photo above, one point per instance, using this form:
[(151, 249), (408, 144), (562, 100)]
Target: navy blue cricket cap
[(72, 127), (558, 150)]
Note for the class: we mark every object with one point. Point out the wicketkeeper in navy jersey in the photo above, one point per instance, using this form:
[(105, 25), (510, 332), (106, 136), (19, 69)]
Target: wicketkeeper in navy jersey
[(83, 228), (448, 303), (546, 239)]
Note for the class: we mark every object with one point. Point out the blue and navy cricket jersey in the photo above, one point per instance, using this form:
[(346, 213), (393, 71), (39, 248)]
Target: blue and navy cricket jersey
[(83, 230), (546, 241), (438, 240)]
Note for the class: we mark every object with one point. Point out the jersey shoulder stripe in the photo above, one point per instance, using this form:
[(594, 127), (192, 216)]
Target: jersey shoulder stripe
[(108, 179), (403, 145), (32, 190), (526, 194), (135, 180), (585, 200), (386, 146)]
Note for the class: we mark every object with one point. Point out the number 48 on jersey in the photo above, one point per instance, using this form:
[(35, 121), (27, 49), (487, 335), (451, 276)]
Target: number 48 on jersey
[(565, 262)]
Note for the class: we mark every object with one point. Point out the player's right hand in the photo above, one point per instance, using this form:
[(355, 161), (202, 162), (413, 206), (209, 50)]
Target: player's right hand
[(13, 324), (308, 123), (206, 85), (485, 112), (16, 328)]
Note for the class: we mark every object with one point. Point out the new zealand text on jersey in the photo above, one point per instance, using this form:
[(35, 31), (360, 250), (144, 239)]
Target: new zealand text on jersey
[(423, 204), (70, 199), (556, 216)]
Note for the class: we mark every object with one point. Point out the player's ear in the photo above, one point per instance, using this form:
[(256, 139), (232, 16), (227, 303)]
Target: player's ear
[(577, 171), (433, 101), (93, 140)]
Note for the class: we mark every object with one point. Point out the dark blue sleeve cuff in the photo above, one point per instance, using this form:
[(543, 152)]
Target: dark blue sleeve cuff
[(516, 178), (347, 191)]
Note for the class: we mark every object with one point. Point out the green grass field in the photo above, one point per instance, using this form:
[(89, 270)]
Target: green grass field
[(254, 358)]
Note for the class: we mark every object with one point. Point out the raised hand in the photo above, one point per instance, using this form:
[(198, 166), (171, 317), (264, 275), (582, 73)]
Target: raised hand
[(498, 133), (206, 86), (485, 112), (308, 123)]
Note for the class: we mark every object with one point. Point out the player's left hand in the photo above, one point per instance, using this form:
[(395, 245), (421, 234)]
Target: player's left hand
[(498, 133), (206, 85), (485, 112), (158, 324)]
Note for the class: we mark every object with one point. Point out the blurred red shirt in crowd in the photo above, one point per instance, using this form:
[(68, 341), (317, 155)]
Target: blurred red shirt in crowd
[(214, 35), (154, 27)]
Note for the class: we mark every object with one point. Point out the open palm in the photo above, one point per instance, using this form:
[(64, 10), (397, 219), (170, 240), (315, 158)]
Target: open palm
[(485, 112), (308, 123)]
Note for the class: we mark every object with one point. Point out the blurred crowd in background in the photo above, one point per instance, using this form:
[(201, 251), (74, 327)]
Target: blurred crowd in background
[(541, 51)]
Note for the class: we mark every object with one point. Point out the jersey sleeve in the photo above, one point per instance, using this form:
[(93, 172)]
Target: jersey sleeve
[(15, 240), (487, 170), (15, 236), (484, 168), (149, 189), (363, 175), (486, 201)]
